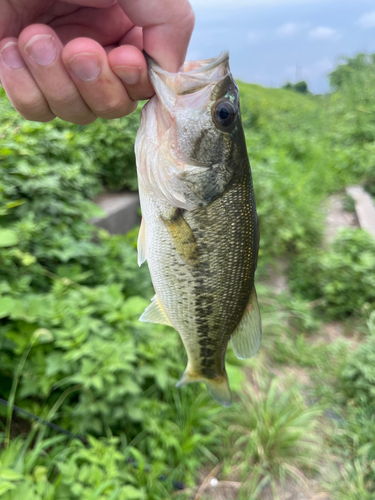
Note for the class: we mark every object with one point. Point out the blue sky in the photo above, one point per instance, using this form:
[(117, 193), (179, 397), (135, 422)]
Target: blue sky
[(273, 41)]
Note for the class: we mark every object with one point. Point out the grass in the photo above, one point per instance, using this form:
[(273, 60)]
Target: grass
[(275, 430)]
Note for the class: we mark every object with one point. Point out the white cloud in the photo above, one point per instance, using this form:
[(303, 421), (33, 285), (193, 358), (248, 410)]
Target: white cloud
[(367, 20), (290, 29), (323, 33)]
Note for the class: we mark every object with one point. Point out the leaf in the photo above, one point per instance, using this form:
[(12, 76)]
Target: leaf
[(8, 238), (5, 487), (6, 306), (10, 475), (130, 493)]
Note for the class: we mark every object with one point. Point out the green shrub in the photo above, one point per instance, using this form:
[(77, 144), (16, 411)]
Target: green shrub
[(103, 152), (111, 146), (297, 87), (342, 277), (55, 469), (357, 377)]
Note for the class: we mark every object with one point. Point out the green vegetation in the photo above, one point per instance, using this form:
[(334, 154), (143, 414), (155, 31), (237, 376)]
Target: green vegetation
[(342, 277), (73, 352), (297, 87)]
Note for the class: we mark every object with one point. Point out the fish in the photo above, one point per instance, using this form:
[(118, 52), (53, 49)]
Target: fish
[(199, 231)]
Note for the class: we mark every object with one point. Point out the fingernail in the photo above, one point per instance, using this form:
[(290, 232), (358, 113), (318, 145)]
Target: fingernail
[(128, 74), (41, 49), (85, 66), (11, 55)]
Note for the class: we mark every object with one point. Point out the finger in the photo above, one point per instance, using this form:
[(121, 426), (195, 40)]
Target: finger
[(106, 26), (93, 3), (133, 37), (41, 50), (19, 84), (102, 91), (129, 64), (167, 28)]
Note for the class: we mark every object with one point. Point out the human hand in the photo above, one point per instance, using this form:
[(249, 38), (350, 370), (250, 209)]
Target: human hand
[(80, 59)]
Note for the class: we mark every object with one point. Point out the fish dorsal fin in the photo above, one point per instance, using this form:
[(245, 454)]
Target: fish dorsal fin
[(247, 337), (182, 237), (141, 243), (155, 313)]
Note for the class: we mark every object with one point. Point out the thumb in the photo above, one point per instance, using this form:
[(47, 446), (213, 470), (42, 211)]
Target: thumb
[(167, 28)]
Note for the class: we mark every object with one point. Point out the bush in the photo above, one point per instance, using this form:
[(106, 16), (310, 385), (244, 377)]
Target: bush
[(297, 87), (342, 277), (103, 151), (357, 376)]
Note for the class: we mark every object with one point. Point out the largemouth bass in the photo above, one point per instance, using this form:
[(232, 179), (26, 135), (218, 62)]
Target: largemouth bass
[(199, 231)]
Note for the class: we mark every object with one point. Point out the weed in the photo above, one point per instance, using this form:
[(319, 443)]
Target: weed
[(275, 431)]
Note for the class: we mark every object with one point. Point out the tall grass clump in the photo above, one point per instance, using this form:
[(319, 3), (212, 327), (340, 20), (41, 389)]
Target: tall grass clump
[(274, 432)]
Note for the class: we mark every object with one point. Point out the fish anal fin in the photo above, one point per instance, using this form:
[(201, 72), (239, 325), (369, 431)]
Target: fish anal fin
[(246, 339), (218, 387), (141, 243), (182, 236), (154, 313)]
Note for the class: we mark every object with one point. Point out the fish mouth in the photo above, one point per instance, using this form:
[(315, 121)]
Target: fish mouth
[(190, 67), (192, 77)]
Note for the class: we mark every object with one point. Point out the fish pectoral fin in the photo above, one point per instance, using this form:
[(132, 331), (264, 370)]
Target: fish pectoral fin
[(154, 313), (218, 387), (182, 236), (247, 337), (141, 243)]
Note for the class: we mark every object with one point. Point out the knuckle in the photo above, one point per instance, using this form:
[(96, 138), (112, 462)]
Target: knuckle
[(117, 108), (31, 105), (63, 100), (83, 120), (71, 108), (44, 118)]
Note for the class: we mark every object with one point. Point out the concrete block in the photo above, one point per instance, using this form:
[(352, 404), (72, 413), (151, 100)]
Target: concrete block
[(364, 206), (121, 210)]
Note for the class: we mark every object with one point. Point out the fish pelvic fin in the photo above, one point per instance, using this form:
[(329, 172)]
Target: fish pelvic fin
[(141, 244), (218, 387), (182, 237), (246, 339), (154, 313)]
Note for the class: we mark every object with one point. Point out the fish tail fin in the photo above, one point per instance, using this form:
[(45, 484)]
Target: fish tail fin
[(217, 387)]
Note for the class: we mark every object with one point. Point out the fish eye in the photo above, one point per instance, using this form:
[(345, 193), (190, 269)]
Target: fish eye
[(224, 114)]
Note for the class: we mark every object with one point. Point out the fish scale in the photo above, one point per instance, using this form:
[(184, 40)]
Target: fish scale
[(199, 232)]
